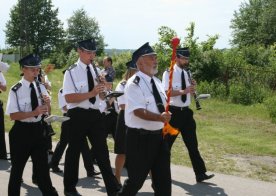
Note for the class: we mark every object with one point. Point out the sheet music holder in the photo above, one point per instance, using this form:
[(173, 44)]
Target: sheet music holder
[(114, 94)]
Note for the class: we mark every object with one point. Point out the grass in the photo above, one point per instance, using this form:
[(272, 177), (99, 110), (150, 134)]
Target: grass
[(230, 136)]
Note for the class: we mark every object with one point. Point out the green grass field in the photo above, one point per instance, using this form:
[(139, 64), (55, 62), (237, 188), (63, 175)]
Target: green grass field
[(233, 139)]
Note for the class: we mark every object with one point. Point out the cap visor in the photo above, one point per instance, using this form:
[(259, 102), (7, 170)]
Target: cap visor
[(152, 53), (88, 50)]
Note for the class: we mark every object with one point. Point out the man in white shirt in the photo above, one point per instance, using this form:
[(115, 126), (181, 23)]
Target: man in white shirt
[(61, 145), (27, 136), (182, 115), (82, 90), (3, 150), (145, 116)]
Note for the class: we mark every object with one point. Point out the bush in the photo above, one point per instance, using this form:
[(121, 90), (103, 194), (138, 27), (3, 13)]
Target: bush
[(247, 95), (270, 104)]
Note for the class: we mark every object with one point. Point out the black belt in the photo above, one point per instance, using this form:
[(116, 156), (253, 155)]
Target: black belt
[(179, 108), (27, 123), (83, 109), (146, 132)]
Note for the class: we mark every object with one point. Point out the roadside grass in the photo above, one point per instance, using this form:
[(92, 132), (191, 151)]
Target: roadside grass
[(233, 139)]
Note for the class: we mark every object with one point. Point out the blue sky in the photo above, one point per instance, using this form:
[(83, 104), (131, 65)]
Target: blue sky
[(127, 24)]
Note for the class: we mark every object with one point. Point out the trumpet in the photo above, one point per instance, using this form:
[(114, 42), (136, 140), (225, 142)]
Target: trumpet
[(198, 107)]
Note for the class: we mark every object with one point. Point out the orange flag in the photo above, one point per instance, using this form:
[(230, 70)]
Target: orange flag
[(168, 129)]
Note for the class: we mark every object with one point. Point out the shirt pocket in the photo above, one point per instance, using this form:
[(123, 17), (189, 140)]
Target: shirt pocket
[(25, 104), (177, 86), (149, 101), (82, 86)]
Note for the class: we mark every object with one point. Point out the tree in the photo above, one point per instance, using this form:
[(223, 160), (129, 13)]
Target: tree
[(34, 27), (81, 27), (254, 23)]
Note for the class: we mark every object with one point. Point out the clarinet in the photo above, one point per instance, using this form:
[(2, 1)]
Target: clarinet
[(198, 107), (50, 131), (108, 106)]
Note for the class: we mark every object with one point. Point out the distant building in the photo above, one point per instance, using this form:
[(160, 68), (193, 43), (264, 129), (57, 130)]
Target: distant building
[(9, 57)]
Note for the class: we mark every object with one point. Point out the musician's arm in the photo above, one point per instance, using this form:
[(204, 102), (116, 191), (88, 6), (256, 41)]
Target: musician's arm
[(23, 115), (180, 92), (3, 87)]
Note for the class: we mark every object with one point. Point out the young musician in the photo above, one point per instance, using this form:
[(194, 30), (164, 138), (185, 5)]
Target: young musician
[(182, 115), (27, 136)]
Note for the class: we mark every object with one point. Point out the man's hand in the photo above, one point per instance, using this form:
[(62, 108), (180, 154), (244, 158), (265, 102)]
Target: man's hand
[(97, 89), (166, 117), (46, 99), (43, 109), (190, 89)]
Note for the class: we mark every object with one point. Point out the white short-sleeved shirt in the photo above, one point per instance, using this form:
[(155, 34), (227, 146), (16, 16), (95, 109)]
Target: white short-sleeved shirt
[(47, 81), (121, 87), (61, 100), (140, 96), (2, 79), (23, 97), (177, 85), (78, 83)]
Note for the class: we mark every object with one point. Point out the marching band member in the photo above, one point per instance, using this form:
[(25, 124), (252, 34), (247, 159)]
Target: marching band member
[(27, 136), (82, 91), (3, 150), (145, 116), (182, 115), (120, 134)]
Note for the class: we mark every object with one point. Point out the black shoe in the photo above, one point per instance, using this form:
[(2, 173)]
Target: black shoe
[(93, 173), (202, 177), (152, 186), (50, 152), (4, 158), (56, 169), (72, 193), (34, 180)]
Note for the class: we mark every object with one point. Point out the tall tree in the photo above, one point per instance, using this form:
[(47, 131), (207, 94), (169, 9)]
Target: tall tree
[(34, 27), (254, 23), (81, 26)]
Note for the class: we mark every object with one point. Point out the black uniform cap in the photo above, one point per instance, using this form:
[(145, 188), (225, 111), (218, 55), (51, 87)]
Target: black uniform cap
[(30, 60), (131, 65), (144, 50), (88, 45), (183, 52)]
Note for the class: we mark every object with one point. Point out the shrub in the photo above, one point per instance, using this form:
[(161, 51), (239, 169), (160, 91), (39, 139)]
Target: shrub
[(247, 95), (270, 104)]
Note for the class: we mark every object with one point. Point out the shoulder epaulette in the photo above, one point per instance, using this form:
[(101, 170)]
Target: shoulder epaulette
[(61, 90), (72, 67), (123, 83), (136, 80), (16, 87)]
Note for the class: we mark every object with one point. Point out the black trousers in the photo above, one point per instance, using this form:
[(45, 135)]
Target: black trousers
[(61, 145), (26, 139), (146, 152), (184, 121), (87, 123), (3, 151)]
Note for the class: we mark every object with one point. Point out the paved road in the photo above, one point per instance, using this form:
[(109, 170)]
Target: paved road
[(183, 183)]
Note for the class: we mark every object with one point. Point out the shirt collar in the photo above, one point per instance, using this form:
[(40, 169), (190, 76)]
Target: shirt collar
[(145, 76), (82, 65), (25, 82), (177, 68)]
